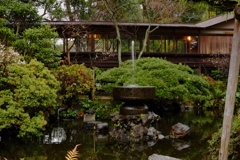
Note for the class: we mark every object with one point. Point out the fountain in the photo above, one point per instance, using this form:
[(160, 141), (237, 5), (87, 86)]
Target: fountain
[(134, 120), (133, 95)]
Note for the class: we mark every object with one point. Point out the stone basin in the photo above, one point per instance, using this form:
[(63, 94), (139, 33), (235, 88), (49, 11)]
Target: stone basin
[(134, 97), (133, 92)]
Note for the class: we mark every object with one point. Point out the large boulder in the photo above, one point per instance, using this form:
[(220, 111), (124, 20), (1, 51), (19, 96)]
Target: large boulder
[(179, 130)]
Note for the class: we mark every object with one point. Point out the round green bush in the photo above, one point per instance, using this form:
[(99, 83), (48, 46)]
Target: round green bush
[(172, 81)]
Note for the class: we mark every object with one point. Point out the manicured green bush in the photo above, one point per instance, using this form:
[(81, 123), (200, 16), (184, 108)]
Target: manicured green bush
[(27, 96), (172, 81), (76, 80)]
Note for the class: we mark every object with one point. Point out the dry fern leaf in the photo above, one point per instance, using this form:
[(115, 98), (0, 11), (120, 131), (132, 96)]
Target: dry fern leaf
[(71, 155)]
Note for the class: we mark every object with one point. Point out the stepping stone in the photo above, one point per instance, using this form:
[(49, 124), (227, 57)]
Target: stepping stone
[(161, 157)]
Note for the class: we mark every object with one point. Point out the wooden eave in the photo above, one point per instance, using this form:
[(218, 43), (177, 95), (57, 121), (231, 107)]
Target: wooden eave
[(203, 24), (215, 20)]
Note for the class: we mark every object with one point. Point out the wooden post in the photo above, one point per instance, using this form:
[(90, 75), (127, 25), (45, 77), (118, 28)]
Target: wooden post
[(231, 88)]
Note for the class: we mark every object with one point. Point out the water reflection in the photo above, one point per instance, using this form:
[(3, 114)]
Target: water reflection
[(57, 136), (62, 136), (180, 144)]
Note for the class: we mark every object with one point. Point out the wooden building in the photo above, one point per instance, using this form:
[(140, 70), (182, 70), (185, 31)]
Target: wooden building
[(204, 44)]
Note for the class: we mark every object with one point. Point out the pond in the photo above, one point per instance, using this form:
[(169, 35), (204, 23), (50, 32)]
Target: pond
[(62, 136)]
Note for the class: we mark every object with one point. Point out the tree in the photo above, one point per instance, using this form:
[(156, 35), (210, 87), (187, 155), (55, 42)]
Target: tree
[(19, 14), (165, 11), (200, 11), (120, 11), (7, 34), (224, 5), (70, 10), (38, 43)]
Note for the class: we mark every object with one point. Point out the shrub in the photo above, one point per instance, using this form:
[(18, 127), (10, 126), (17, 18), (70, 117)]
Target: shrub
[(27, 97), (214, 143), (172, 81), (76, 80), (217, 90)]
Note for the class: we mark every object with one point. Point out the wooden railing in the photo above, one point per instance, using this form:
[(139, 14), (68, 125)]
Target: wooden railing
[(109, 60)]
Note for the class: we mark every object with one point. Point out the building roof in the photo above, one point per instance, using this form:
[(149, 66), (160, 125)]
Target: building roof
[(203, 24), (215, 20)]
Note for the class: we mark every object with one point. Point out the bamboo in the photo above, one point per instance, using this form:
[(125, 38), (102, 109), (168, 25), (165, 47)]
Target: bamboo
[(231, 91)]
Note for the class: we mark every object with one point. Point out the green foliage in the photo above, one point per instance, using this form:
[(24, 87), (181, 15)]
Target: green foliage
[(69, 113), (76, 80), (20, 14), (217, 89), (237, 100), (224, 5), (173, 82), (7, 34), (105, 110), (102, 109), (27, 97), (90, 104), (37, 43), (234, 145)]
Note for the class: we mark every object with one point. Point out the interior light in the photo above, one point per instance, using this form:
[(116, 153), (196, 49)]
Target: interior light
[(189, 38)]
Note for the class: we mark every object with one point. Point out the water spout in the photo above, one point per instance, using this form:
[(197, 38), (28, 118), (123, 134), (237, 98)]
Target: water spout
[(133, 58)]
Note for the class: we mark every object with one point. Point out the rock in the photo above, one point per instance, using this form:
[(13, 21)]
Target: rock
[(102, 126), (138, 132), (152, 132), (160, 136), (89, 117), (151, 143), (179, 130), (117, 132), (149, 118), (135, 126), (161, 157)]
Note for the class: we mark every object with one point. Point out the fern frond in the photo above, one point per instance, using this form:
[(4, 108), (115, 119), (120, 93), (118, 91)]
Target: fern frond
[(71, 155)]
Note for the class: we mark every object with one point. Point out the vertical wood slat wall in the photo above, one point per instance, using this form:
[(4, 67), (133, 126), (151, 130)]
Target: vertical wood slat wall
[(215, 44)]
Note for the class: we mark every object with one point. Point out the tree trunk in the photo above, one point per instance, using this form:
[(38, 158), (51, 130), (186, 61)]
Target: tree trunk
[(231, 89), (147, 33), (119, 43), (144, 42)]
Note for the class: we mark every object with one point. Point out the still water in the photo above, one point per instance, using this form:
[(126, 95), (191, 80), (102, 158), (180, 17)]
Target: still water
[(62, 136)]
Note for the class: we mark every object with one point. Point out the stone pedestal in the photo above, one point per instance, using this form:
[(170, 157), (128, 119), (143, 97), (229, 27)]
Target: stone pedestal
[(134, 97)]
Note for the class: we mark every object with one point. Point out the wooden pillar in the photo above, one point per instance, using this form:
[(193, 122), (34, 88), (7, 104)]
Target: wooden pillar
[(64, 45), (92, 43), (231, 88), (107, 49), (77, 44), (199, 69)]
